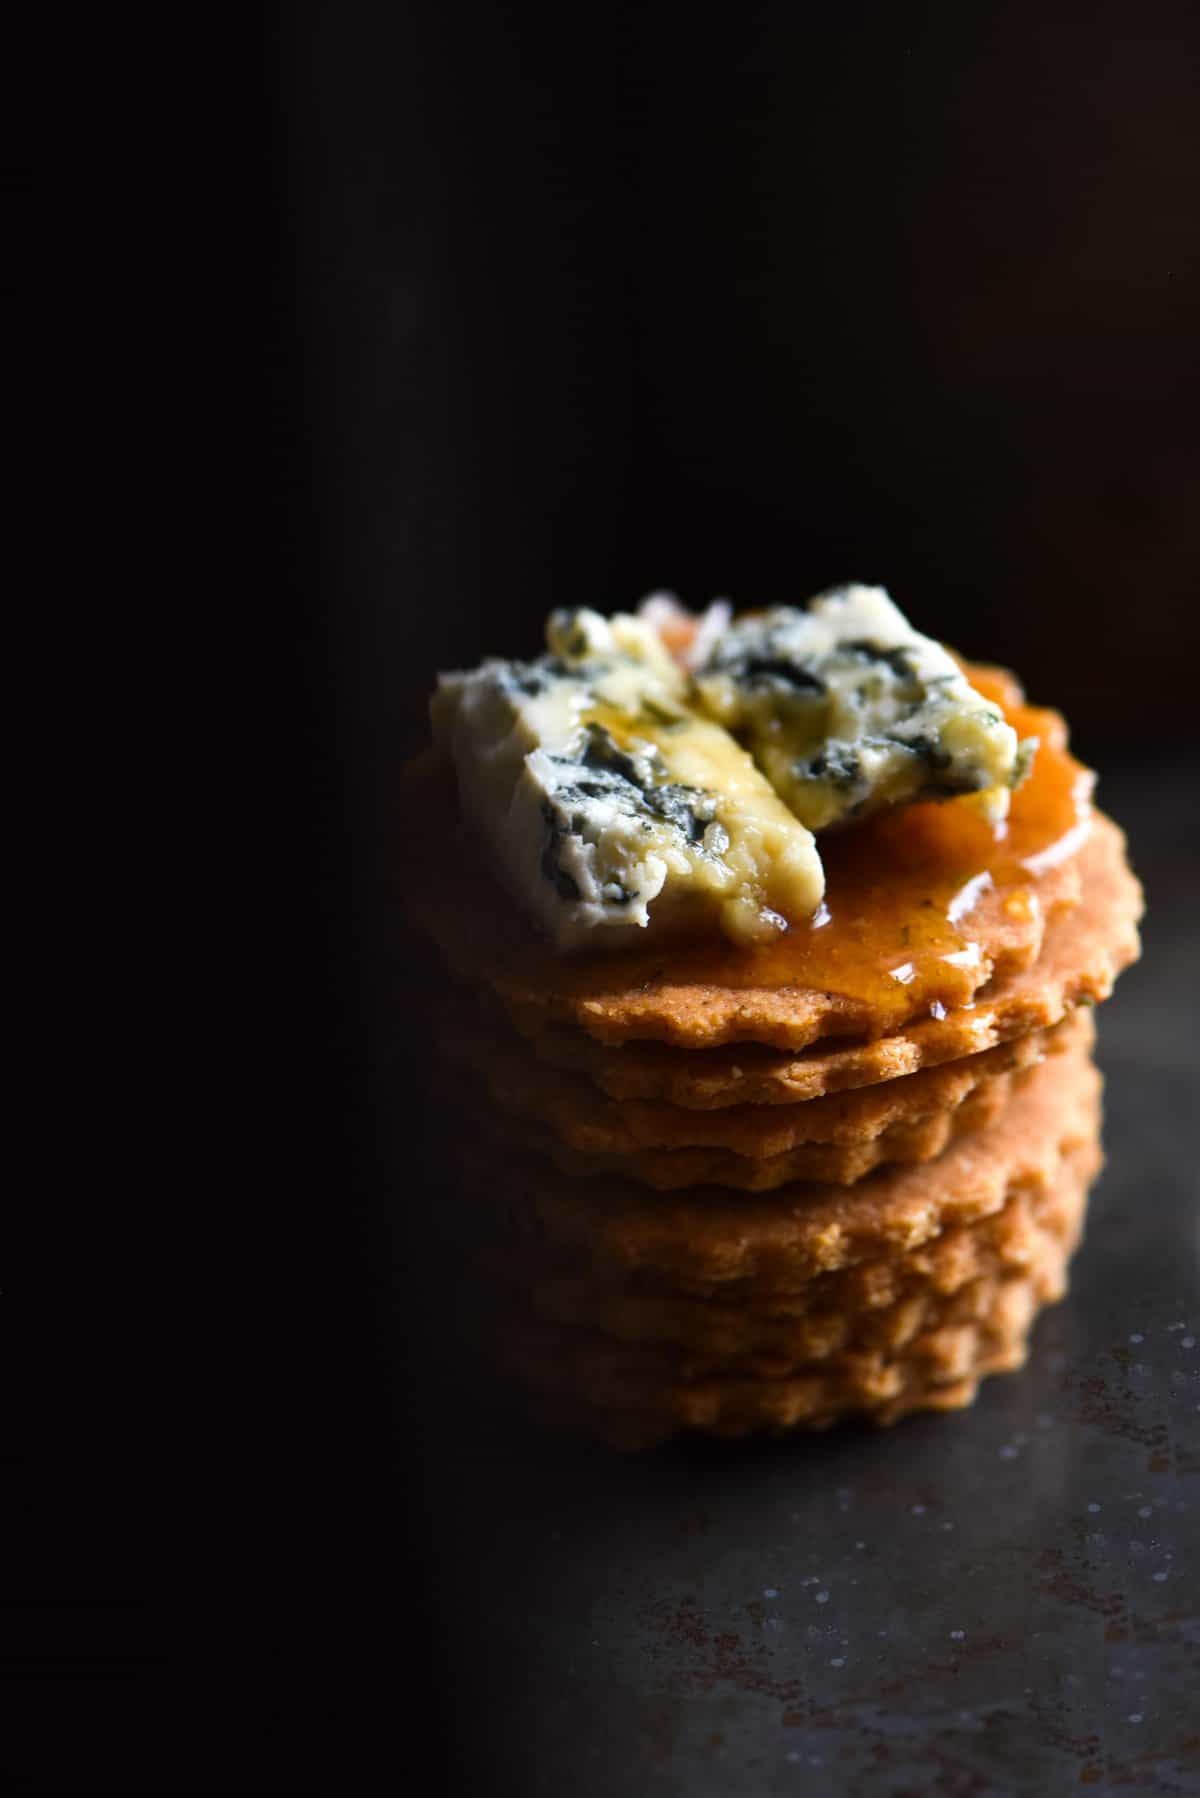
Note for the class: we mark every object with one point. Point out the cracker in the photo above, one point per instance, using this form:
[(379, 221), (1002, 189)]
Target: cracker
[(703, 1239), (891, 883), (835, 1164), (873, 1304), (905, 1141), (586, 1119), (599, 1367), (1084, 952), (982, 1330)]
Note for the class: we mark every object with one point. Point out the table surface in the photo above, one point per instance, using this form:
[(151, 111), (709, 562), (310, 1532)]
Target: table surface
[(999, 1601)]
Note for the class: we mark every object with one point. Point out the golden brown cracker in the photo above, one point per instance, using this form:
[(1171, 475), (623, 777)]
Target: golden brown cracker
[(601, 1368), (707, 1237), (586, 1119), (1084, 952), (832, 1310), (906, 1143), (777, 1410), (983, 1330), (891, 950)]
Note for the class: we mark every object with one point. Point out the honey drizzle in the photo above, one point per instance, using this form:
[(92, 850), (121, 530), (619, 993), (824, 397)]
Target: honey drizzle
[(902, 887), (902, 892)]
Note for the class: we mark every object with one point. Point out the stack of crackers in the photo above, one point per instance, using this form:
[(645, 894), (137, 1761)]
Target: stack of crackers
[(715, 1199)]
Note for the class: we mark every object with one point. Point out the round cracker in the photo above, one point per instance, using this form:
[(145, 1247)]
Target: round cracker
[(981, 1331), (974, 1099), (600, 1368), (904, 1143), (701, 1240), (584, 1118), (893, 884), (1084, 952), (880, 1302)]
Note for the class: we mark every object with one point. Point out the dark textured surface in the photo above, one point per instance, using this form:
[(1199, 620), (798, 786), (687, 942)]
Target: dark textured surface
[(1003, 1600)]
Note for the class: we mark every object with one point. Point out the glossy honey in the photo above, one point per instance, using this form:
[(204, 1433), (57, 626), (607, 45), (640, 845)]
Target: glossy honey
[(904, 891)]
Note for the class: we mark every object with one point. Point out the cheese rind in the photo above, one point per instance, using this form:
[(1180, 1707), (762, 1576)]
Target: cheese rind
[(847, 709), (602, 795)]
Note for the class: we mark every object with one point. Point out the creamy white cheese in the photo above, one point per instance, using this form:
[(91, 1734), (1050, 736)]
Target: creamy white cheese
[(608, 804), (847, 709)]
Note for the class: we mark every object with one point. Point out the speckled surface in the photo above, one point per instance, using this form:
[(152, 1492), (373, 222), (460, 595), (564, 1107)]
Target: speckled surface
[(1000, 1601)]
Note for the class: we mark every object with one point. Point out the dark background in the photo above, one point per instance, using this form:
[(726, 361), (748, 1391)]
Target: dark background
[(597, 303), (557, 306)]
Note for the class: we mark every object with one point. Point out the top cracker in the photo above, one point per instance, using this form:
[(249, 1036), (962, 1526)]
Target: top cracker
[(923, 905)]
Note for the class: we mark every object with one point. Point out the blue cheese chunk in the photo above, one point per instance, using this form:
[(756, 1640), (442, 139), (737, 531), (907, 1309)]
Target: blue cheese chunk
[(608, 804), (847, 709)]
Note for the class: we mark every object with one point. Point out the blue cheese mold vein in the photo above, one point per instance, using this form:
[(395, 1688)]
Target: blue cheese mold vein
[(602, 792)]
